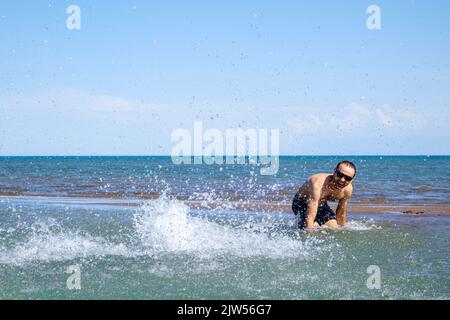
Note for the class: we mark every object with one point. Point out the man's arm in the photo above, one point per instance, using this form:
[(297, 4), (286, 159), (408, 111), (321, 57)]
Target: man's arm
[(313, 205), (341, 210)]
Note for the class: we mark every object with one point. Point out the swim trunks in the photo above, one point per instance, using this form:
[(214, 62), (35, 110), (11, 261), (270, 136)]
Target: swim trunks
[(300, 209)]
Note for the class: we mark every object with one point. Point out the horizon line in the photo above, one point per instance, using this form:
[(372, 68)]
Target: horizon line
[(281, 155)]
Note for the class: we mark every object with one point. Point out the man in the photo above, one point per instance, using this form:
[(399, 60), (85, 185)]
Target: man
[(310, 202)]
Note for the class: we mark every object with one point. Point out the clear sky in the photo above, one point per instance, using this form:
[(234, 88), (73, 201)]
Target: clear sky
[(137, 70)]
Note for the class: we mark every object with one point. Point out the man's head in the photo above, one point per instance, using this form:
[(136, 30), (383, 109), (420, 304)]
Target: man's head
[(344, 173)]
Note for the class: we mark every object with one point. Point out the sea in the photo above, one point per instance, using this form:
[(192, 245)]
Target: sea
[(147, 228)]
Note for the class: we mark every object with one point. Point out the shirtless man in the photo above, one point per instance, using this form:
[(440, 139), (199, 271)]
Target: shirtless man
[(310, 202)]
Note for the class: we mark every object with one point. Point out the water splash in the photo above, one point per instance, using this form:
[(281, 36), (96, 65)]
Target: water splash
[(363, 225), (163, 226), (43, 244)]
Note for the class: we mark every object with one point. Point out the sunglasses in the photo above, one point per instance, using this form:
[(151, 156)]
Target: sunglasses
[(340, 175)]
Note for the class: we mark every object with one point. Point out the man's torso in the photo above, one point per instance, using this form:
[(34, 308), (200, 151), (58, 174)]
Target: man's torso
[(321, 184)]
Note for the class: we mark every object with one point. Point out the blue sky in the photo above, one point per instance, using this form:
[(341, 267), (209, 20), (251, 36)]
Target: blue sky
[(137, 70)]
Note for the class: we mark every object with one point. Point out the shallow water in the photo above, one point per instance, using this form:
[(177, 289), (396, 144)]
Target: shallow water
[(162, 249)]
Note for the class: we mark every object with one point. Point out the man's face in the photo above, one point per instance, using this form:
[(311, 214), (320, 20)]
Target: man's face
[(342, 176)]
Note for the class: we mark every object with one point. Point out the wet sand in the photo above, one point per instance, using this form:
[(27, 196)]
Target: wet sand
[(271, 205), (357, 208)]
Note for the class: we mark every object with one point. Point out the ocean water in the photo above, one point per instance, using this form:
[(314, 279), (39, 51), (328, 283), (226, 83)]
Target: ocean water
[(383, 179), (129, 225)]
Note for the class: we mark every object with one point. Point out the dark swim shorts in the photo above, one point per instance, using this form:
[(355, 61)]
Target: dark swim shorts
[(300, 208)]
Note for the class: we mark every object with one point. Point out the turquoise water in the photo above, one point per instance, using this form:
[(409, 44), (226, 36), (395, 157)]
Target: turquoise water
[(91, 212)]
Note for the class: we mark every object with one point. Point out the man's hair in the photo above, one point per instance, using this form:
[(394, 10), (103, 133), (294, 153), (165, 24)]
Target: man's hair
[(348, 163)]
